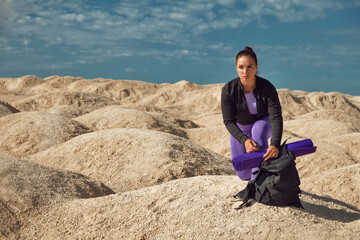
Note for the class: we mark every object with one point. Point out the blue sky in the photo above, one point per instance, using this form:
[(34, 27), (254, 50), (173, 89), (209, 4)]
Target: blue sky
[(311, 45)]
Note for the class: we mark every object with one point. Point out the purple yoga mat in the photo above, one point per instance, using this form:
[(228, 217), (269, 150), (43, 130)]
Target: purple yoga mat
[(251, 160)]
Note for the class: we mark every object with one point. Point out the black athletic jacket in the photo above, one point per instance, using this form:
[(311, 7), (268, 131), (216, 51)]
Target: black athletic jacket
[(234, 108)]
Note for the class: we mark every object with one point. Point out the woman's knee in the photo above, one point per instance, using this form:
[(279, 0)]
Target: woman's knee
[(244, 175), (262, 127), (263, 123), (236, 148)]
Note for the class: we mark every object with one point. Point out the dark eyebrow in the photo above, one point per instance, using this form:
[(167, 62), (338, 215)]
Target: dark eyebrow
[(248, 65)]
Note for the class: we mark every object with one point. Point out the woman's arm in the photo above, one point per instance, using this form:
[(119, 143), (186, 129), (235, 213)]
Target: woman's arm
[(274, 109), (228, 113)]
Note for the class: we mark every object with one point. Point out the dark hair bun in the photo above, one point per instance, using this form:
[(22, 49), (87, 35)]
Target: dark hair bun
[(248, 51), (247, 48)]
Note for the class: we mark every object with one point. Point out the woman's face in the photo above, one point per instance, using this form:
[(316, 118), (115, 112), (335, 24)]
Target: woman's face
[(246, 69)]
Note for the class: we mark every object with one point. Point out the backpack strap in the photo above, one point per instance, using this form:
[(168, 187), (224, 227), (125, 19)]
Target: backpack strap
[(263, 194), (283, 145), (243, 205), (250, 192)]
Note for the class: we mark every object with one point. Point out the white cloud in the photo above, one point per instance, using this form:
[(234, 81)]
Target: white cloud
[(227, 2), (119, 30), (5, 8), (26, 41), (345, 32), (178, 16), (220, 46), (309, 56), (73, 17), (130, 70), (293, 10), (84, 61)]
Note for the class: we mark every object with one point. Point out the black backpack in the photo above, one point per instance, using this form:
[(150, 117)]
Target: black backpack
[(277, 182)]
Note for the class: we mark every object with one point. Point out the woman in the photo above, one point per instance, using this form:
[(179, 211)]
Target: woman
[(251, 111)]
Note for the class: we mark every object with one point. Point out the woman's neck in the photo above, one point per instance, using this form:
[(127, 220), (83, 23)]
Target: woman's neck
[(249, 86)]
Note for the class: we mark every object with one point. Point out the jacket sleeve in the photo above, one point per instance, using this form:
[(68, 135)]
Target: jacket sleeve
[(228, 113), (276, 119)]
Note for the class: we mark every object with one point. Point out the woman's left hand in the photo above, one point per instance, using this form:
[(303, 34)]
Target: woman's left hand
[(272, 152)]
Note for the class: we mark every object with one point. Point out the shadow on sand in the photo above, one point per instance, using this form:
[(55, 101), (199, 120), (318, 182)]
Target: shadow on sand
[(347, 213)]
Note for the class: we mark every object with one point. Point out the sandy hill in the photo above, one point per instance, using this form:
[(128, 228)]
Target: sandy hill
[(120, 117), (127, 158), (41, 102), (27, 188), (297, 103), (121, 159), (31, 132), (193, 208)]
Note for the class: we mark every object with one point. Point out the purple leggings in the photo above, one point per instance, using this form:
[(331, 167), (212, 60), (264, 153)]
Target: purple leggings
[(260, 132)]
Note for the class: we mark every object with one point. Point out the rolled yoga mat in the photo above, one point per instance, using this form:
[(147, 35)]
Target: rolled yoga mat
[(251, 160)]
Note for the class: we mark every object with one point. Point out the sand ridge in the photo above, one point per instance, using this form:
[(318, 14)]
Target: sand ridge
[(27, 188), (31, 132), (128, 158), (6, 109)]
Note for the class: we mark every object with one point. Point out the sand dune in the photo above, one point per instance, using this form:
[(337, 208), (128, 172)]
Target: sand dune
[(87, 101), (193, 208), (126, 159), (6, 109), (123, 91), (293, 104), (186, 98), (308, 128), (340, 116), (30, 132), (26, 188), (332, 100), (121, 159), (67, 111), (327, 157), (119, 117), (297, 103), (212, 138), (27, 185), (337, 184), (20, 85), (350, 143)]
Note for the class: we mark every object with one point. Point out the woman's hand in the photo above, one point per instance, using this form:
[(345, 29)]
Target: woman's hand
[(250, 146), (272, 152)]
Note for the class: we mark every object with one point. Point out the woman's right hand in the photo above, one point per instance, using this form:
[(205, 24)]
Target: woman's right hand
[(250, 146)]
